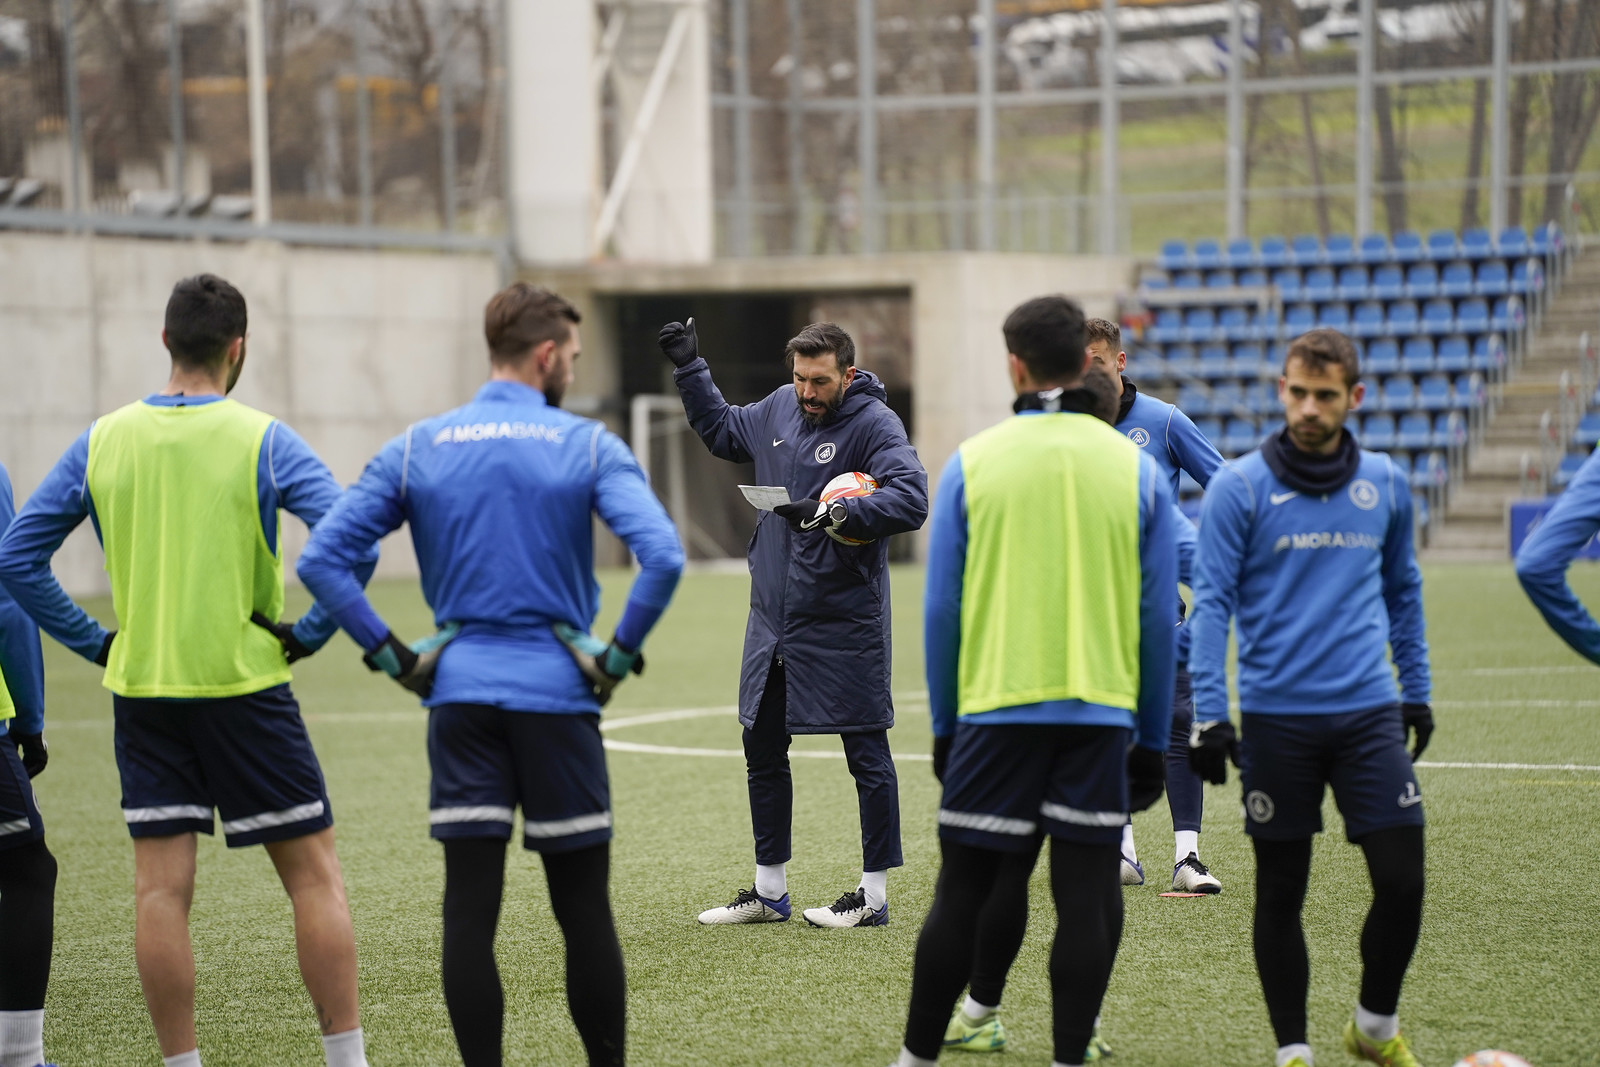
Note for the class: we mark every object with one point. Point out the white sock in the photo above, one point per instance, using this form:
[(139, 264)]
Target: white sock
[(771, 881), (1378, 1027), (21, 1038), (1185, 842), (975, 1011), (182, 1059), (348, 1049), (875, 884), (908, 1060), (1128, 852), (1289, 1052)]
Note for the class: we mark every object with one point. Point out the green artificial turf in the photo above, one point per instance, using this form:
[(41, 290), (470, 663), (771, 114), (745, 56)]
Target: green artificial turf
[(1508, 936)]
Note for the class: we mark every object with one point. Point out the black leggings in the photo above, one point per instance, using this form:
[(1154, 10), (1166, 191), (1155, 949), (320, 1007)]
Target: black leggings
[(1086, 884), (27, 924), (596, 986), (1002, 924), (1395, 864)]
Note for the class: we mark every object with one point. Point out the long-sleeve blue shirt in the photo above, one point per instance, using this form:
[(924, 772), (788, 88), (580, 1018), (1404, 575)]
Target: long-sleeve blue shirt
[(1322, 587), (947, 560), (499, 495), (21, 659), (1169, 437), (1544, 557), (288, 475)]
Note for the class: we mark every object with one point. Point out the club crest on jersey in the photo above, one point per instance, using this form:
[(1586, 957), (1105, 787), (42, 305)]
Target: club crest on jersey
[(1259, 806), (1138, 436), (1363, 494), (825, 451)]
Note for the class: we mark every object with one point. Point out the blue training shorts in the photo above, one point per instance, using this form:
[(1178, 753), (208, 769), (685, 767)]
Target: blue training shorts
[(1006, 783), (248, 756), (1285, 760), (20, 821), (487, 761)]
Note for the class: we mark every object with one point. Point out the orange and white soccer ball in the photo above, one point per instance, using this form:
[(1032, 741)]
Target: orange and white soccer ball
[(847, 485), (1492, 1058)]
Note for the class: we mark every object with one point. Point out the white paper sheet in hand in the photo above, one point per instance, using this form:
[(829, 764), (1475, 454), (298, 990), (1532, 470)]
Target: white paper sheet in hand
[(765, 497)]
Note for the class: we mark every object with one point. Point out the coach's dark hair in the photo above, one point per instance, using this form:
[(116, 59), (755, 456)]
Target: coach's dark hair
[(204, 316), (1102, 330), (1325, 348), (1047, 334), (521, 317), (820, 338)]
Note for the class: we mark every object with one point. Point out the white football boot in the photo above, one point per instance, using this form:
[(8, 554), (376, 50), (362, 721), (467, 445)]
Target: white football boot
[(1132, 872), (849, 910), (1191, 876), (748, 907)]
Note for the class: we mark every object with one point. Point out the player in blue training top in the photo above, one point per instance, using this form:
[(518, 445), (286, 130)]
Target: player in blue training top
[(1306, 543), (500, 494), (1543, 560), (27, 869)]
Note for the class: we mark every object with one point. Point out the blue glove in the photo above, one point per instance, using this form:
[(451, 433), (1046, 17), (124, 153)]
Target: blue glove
[(412, 665), (604, 664)]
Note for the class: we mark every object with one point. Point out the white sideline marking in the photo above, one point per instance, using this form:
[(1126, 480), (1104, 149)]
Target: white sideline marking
[(1509, 766), (1565, 669)]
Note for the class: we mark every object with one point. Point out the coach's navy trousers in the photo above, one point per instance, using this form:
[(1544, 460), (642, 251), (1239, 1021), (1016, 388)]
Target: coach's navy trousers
[(766, 754)]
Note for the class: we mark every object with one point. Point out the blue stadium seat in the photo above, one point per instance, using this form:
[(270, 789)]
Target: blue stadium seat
[(1454, 355), (1211, 429), (1587, 433), (1377, 433), (1476, 243), (1354, 284), (1227, 398), (1261, 397), (1494, 279), (1434, 393), (1383, 357), (1374, 248), (1399, 394), (1422, 281), (1547, 240), (1206, 255), (1339, 249), (1442, 245), (1298, 318), (1449, 430), (1249, 359), (1334, 317), (1240, 436), (1513, 243), (1273, 252), (1182, 360), (1234, 322), (1194, 399), (1219, 279), (1567, 470), (1457, 279), (1468, 391), (1406, 247), (1287, 279), (1488, 352), (1188, 279), (1214, 361), (1155, 280), (1145, 361), (1414, 431), (1507, 315), (1240, 253), (1174, 255), (1276, 353), (1472, 316), (1430, 471), (1199, 324), (1306, 250), (1527, 277), (1438, 316), (1266, 323), (1319, 284), (1168, 326), (1367, 320), (1252, 277), (1402, 463), (1404, 319), (1417, 356), (1388, 282)]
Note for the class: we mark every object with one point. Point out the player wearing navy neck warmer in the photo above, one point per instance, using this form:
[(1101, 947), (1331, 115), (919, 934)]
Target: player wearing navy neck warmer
[(1307, 542)]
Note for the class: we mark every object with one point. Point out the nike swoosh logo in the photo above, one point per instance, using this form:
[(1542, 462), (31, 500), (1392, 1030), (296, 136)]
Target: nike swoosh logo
[(1279, 498), (776, 441), (1406, 802)]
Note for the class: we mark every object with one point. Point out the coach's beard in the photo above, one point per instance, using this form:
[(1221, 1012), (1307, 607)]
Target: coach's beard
[(829, 407)]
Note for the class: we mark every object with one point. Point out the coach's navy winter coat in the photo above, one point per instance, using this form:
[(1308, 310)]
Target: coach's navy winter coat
[(821, 605)]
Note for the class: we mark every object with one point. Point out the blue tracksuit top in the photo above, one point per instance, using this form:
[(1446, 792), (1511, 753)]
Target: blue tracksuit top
[(21, 659), (1543, 560), (499, 495), (288, 475), (1171, 439), (1158, 591), (1322, 587)]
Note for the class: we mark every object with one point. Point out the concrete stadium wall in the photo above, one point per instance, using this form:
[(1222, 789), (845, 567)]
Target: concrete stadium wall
[(347, 347)]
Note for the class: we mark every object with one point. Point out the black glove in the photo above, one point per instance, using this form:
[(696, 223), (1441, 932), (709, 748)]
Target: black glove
[(1418, 720), (284, 632), (941, 756), (105, 649), (678, 341), (604, 664), (804, 516), (1147, 776), (34, 752), (1212, 744)]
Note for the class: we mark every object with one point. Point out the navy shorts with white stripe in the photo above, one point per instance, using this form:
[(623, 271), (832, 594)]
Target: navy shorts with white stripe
[(20, 822), (486, 761), (247, 756), (1005, 784)]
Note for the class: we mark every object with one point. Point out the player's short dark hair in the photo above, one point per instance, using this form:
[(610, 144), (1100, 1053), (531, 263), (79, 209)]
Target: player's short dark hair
[(204, 316), (818, 339), (521, 317), (1047, 334), (1322, 348), (1102, 330)]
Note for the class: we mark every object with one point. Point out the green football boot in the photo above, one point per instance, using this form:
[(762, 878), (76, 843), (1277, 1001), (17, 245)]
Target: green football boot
[(1297, 1062), (1098, 1049), (1390, 1053), (988, 1034)]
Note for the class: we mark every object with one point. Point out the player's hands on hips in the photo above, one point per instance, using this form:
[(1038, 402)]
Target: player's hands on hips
[(1417, 720), (411, 665), (104, 655), (941, 756), (678, 341), (34, 752), (604, 664), (1212, 745), (1147, 776), (293, 648)]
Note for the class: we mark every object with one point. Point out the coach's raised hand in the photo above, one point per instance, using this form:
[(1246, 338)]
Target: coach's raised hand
[(1211, 746), (678, 341), (604, 664)]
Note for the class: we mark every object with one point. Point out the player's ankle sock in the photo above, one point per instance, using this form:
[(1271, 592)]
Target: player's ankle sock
[(348, 1049), (908, 1060), (875, 887), (182, 1059), (1128, 851), (1378, 1027), (1183, 843), (975, 1011), (771, 881), (1289, 1052), (21, 1038)]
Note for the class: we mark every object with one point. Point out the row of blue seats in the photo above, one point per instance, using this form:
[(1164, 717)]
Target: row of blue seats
[(1491, 277), (1567, 469), (1384, 355), (1397, 393), (1407, 246), (1416, 430), (1370, 318)]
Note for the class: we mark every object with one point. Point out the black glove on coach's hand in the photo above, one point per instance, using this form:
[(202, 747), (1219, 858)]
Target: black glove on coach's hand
[(1147, 777), (105, 649), (1417, 719), (941, 756), (34, 752), (284, 632), (1211, 745), (678, 341), (797, 513)]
